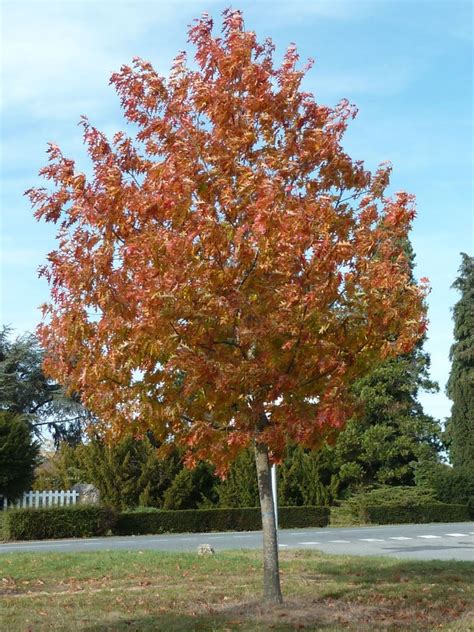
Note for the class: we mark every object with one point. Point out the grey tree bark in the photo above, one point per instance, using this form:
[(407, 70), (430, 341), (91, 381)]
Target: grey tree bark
[(271, 571)]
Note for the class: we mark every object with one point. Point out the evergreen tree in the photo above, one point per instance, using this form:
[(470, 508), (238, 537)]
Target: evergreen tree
[(127, 474), (460, 387), (192, 489), (240, 488), (18, 455), (25, 390), (392, 435), (305, 477)]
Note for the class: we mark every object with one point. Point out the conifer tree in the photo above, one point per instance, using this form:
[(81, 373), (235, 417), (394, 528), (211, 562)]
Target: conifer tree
[(460, 387), (240, 489), (127, 473), (18, 455), (27, 391)]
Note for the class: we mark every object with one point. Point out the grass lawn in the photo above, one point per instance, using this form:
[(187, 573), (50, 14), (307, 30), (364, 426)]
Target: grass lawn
[(145, 591)]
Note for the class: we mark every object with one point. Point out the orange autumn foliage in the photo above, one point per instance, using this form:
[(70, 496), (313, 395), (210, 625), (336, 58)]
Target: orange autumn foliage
[(226, 274)]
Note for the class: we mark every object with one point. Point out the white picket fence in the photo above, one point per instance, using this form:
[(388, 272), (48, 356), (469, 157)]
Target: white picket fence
[(43, 499)]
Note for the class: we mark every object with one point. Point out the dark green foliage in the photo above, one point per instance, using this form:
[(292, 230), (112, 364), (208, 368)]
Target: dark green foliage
[(383, 444), (449, 484), (410, 497), (19, 455), (58, 522), (460, 387), (26, 391), (391, 434), (188, 521), (60, 470), (302, 477), (301, 517), (240, 489), (306, 477), (470, 506), (393, 505), (400, 514), (191, 489), (127, 474), (204, 520)]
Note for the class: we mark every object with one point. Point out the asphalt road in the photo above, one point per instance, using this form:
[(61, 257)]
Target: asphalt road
[(451, 541)]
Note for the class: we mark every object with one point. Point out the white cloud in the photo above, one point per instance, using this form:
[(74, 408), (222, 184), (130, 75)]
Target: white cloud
[(55, 55)]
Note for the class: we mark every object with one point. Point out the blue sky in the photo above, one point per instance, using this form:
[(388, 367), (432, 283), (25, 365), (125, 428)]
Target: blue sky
[(405, 63)]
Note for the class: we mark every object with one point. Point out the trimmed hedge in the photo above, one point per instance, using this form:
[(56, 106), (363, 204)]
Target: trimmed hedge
[(427, 512), (306, 516), (57, 522), (202, 520)]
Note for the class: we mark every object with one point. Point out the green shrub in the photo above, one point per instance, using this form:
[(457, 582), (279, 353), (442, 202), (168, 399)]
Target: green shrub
[(470, 507), (400, 496), (300, 517), (203, 520), (427, 512), (453, 485), (145, 509), (58, 522)]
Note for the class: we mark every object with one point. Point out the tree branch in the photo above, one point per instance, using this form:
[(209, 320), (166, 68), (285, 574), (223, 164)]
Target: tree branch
[(249, 271), (298, 342)]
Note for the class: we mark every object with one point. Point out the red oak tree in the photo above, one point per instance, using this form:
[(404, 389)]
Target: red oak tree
[(225, 275)]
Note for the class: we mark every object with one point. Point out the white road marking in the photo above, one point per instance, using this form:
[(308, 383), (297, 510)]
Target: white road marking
[(371, 540), (457, 535), (399, 537), (340, 541), (283, 545), (309, 543), (429, 537)]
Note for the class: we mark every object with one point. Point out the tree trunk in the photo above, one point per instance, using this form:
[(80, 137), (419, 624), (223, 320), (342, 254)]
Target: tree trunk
[(271, 572)]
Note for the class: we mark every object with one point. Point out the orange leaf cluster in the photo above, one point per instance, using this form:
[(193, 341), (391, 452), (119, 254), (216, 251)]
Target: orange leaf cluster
[(225, 275)]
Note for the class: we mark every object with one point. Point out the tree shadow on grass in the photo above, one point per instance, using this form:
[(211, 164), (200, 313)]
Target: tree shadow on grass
[(363, 573), (358, 595), (168, 621), (237, 618)]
